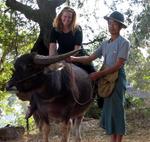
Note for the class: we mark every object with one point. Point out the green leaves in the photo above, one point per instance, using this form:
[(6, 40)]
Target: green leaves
[(141, 27), (14, 40)]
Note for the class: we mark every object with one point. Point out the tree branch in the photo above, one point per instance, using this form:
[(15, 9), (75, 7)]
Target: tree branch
[(57, 2), (53, 3), (98, 39), (24, 9)]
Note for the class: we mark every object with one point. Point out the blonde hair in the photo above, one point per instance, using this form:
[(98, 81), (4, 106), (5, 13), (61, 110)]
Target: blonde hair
[(57, 23)]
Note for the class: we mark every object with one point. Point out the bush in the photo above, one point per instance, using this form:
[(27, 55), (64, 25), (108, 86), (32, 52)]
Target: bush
[(94, 111), (133, 101)]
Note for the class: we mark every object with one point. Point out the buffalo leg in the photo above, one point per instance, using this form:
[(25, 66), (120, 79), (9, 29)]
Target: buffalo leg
[(76, 129), (65, 131), (31, 108), (45, 128)]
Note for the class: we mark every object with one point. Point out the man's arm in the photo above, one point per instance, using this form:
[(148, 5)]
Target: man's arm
[(83, 59)]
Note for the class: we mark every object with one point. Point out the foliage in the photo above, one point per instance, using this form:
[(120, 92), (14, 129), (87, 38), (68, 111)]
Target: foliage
[(138, 68), (94, 111), (13, 111), (133, 102), (141, 28), (15, 39), (16, 33)]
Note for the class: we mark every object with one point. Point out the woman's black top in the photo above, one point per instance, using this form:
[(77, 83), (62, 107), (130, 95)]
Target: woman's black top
[(66, 41)]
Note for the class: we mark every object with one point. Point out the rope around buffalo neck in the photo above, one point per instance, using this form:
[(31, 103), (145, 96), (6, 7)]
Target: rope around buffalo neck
[(29, 77)]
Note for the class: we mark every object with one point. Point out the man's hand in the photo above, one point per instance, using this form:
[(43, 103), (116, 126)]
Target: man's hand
[(68, 59), (95, 75)]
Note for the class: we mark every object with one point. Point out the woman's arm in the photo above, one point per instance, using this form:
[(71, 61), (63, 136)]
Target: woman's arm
[(77, 47), (53, 42), (52, 49), (78, 37)]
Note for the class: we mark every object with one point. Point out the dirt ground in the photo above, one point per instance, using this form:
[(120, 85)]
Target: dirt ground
[(138, 128)]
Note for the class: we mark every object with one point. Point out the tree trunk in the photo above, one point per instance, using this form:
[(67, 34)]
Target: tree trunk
[(43, 16)]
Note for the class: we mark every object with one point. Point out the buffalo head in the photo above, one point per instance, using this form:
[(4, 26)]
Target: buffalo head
[(29, 71)]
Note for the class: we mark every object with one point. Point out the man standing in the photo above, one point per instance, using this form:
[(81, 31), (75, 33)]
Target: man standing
[(115, 52)]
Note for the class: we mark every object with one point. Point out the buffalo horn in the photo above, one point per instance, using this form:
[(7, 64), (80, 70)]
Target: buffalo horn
[(45, 60)]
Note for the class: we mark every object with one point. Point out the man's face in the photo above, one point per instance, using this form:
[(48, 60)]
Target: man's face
[(114, 27)]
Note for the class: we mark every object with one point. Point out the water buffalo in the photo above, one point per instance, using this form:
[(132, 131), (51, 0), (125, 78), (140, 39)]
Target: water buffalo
[(62, 92)]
